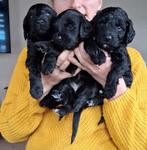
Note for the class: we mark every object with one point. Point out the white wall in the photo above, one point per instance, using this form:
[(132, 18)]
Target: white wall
[(18, 8)]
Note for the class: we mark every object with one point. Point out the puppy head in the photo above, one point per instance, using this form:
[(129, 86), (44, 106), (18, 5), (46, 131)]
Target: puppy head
[(38, 20), (112, 28), (70, 28)]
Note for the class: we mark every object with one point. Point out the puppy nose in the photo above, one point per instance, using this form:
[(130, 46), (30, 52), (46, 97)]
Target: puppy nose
[(58, 37), (108, 37)]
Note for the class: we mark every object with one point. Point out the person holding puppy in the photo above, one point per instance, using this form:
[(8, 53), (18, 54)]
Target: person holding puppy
[(125, 126)]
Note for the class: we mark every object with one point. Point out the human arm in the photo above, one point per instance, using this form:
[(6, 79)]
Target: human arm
[(20, 113), (58, 74), (125, 114), (98, 72)]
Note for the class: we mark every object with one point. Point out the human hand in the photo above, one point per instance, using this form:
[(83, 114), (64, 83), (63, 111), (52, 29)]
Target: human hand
[(98, 72), (59, 72)]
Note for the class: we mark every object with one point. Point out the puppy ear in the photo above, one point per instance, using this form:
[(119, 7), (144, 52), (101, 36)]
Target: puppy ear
[(94, 21), (26, 26), (95, 18), (85, 28), (130, 32)]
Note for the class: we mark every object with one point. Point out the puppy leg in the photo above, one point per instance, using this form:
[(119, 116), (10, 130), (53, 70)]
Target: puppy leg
[(48, 102), (36, 88), (96, 96), (63, 110), (95, 53), (49, 62), (64, 94), (42, 46), (33, 63), (83, 94), (34, 59), (117, 71), (51, 54), (128, 76)]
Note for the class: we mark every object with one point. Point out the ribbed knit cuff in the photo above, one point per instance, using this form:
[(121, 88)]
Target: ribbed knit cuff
[(120, 104), (125, 121), (129, 95)]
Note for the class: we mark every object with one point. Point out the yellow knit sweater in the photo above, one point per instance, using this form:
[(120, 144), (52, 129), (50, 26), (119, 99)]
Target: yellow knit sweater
[(125, 127)]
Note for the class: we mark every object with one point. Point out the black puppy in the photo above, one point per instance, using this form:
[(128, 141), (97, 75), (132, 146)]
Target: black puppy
[(74, 94), (36, 25), (112, 31), (69, 29)]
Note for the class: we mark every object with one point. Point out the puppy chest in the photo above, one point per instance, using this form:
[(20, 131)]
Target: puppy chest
[(74, 85)]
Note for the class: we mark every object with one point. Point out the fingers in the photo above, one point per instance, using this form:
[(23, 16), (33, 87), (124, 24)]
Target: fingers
[(59, 74), (75, 62), (62, 57), (62, 61), (82, 56), (65, 75), (77, 71), (83, 53), (64, 65)]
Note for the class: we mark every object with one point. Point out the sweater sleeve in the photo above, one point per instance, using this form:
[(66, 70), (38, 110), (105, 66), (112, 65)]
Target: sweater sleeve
[(126, 116), (20, 114)]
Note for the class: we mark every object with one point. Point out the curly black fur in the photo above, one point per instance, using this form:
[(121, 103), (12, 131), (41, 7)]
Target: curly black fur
[(37, 25), (72, 95), (112, 32)]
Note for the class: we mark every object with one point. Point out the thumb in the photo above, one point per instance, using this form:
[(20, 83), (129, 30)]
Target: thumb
[(65, 75)]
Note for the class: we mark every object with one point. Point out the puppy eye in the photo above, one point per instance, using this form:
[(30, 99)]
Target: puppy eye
[(119, 28), (70, 27)]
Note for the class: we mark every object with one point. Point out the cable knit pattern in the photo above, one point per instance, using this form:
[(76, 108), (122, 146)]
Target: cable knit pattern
[(125, 127)]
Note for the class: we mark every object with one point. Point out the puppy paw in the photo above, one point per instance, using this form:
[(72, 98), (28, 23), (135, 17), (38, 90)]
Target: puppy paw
[(43, 103), (109, 92), (99, 59), (59, 112), (41, 46), (90, 103), (36, 92), (128, 81)]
